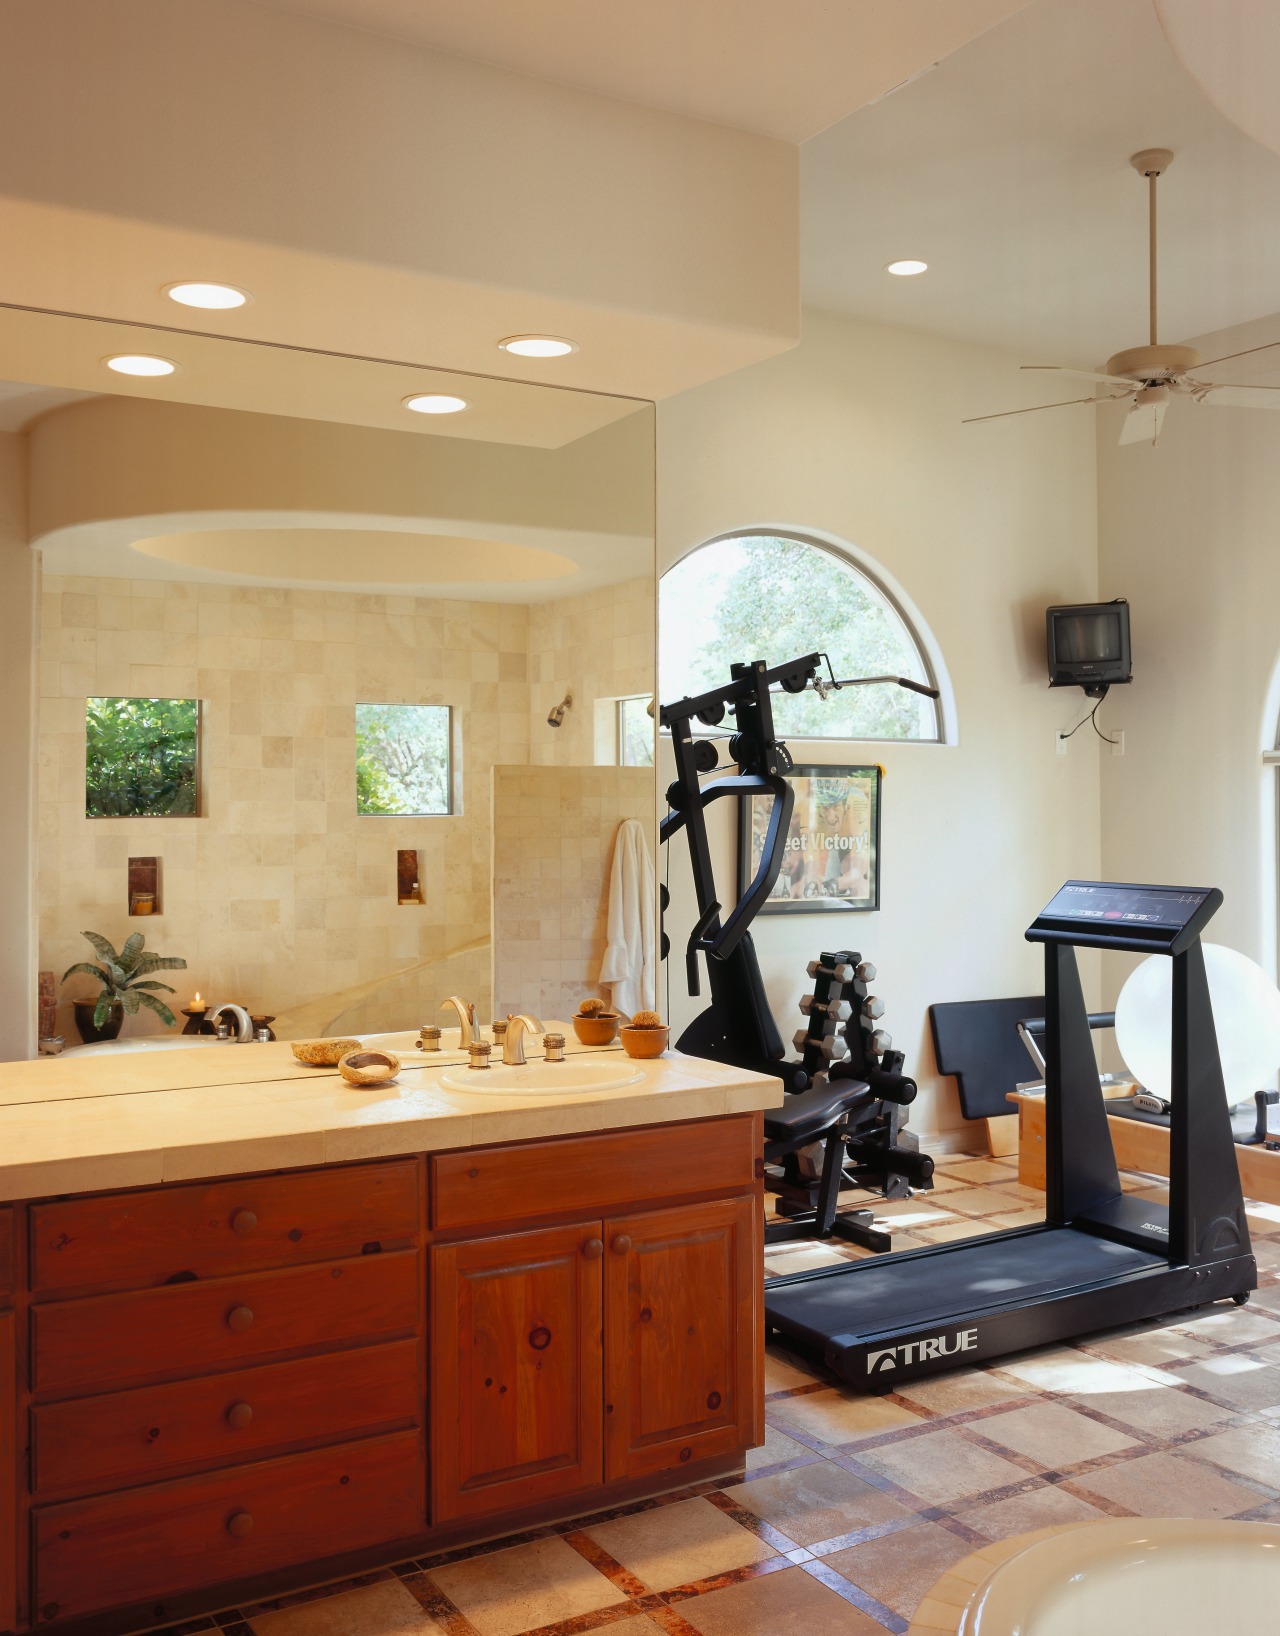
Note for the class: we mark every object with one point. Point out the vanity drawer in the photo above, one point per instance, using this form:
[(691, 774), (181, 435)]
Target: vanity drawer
[(145, 1544), (123, 1438), (485, 1186), (113, 1340), (213, 1228)]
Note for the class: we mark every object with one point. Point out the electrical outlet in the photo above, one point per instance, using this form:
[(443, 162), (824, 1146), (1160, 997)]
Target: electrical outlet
[(1117, 741), (1061, 740)]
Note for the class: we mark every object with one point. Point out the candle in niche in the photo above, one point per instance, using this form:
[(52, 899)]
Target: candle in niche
[(197, 1004)]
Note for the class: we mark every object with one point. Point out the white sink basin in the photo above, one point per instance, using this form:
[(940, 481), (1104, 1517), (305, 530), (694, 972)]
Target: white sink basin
[(543, 1078)]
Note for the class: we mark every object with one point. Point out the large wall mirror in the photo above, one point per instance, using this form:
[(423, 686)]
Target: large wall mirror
[(415, 649)]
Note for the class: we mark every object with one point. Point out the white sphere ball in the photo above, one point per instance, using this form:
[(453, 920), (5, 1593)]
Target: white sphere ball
[(1246, 1016)]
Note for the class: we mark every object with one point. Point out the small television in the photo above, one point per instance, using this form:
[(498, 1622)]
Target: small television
[(1088, 645)]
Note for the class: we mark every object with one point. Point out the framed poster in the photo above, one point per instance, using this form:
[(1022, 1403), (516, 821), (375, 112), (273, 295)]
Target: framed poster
[(832, 858)]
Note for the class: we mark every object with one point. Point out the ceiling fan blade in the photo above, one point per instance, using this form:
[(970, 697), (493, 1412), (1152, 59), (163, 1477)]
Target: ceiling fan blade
[(1248, 351), (1239, 397), (1143, 422), (1032, 408), (1086, 375)]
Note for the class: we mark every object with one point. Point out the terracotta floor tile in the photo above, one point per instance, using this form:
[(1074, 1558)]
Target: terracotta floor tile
[(898, 1568), (789, 1603), (1252, 1451), (1043, 1507), (526, 1586), (384, 1609), (777, 1447), (1238, 1378), (959, 1227), (961, 1390), (839, 1416), (799, 1257), (1053, 1434), (908, 1214), (980, 1170), (1268, 1298), (1230, 1325), (783, 1370), (1169, 1412), (683, 1542), (1064, 1369), (638, 1624), (977, 1201), (817, 1502), (942, 1467), (1019, 1191), (1158, 1344), (1167, 1485), (1018, 1218)]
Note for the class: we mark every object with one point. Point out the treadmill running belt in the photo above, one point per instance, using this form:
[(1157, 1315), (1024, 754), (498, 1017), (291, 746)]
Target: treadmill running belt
[(900, 1292)]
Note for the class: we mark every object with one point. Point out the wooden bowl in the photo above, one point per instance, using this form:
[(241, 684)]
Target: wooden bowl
[(367, 1069), (645, 1042), (323, 1053), (598, 1030)]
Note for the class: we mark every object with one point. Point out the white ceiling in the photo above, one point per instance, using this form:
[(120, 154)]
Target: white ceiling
[(784, 68), (21, 403), (1007, 170)]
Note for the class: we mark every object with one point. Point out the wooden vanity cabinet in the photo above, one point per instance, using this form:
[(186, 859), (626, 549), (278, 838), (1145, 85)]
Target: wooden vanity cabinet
[(225, 1389)]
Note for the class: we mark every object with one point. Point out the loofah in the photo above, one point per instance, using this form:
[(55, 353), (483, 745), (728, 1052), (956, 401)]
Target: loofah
[(591, 1007), (646, 1019)]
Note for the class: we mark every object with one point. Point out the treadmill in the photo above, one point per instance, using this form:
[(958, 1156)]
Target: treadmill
[(1101, 1258)]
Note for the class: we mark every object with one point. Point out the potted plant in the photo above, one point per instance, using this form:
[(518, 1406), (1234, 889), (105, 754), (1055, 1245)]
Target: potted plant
[(126, 985), (645, 1035), (595, 1024)]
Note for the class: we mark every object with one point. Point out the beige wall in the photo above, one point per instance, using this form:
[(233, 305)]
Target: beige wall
[(1190, 533), (857, 434), (19, 584), (279, 896), (553, 838), (599, 647)]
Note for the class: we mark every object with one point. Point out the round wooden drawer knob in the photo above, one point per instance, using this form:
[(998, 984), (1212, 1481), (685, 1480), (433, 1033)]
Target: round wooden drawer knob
[(239, 1524), (240, 1318), (239, 1415), (621, 1244), (244, 1221), (593, 1249)]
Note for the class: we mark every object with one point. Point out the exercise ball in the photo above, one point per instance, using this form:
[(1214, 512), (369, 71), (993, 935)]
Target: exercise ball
[(1246, 1018)]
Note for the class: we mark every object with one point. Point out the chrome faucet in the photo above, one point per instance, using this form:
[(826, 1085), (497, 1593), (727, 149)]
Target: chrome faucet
[(243, 1022), (513, 1040), (466, 1019)]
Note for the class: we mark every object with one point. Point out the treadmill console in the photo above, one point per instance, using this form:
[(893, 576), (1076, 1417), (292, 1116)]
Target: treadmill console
[(1115, 915)]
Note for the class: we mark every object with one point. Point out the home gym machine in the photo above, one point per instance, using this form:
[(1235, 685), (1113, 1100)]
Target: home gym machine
[(1101, 1257), (848, 1090)]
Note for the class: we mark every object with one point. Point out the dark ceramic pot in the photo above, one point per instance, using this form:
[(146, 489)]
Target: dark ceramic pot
[(84, 1022)]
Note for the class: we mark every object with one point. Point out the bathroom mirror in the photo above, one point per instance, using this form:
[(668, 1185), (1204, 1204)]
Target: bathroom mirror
[(421, 645)]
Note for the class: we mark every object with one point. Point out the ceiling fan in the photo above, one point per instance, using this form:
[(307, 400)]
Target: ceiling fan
[(1147, 375)]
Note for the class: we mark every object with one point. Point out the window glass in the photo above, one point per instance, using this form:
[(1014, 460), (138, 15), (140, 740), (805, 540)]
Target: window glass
[(141, 758), (635, 732), (402, 759), (775, 597)]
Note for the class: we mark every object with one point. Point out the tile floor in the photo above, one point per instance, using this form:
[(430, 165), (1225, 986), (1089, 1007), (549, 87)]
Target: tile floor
[(855, 1505)]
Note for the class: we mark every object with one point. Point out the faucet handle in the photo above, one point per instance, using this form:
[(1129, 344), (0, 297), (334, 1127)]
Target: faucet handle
[(466, 1019)]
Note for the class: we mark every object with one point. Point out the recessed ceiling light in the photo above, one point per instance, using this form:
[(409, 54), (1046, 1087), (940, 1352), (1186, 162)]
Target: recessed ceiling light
[(435, 403), (139, 363), (907, 269), (538, 346), (216, 297)]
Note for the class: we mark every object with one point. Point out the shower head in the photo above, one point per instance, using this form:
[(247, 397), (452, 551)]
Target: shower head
[(556, 716)]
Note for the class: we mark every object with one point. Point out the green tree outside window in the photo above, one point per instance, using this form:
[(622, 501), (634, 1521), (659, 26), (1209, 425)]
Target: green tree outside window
[(141, 757), (402, 760)]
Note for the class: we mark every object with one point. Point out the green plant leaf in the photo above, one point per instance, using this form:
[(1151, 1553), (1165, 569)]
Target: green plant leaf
[(89, 971), (134, 987), (104, 950), (130, 950), (158, 1006), (150, 962), (106, 1005)]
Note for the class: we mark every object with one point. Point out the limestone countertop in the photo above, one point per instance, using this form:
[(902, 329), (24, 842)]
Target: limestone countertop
[(78, 1124)]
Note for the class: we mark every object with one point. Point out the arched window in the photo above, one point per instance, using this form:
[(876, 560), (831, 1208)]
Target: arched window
[(775, 596)]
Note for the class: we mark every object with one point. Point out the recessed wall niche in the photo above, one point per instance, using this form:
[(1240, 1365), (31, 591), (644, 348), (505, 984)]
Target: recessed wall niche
[(408, 880), (144, 886)]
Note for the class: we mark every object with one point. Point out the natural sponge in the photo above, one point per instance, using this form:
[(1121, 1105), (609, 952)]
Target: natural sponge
[(646, 1019), (591, 1007)]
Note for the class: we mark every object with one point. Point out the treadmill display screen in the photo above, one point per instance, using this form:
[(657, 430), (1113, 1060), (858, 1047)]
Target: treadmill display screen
[(1156, 908)]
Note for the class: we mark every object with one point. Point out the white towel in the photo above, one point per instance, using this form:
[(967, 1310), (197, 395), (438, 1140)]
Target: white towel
[(629, 968)]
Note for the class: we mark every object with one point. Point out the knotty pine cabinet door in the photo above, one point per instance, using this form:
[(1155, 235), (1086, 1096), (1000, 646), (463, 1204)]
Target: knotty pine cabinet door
[(516, 1389), (682, 1323)]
